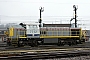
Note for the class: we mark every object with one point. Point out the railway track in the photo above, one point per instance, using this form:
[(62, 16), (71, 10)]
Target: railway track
[(43, 54), (85, 45), (43, 47)]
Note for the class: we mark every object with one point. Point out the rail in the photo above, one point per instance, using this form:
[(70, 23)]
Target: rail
[(43, 54)]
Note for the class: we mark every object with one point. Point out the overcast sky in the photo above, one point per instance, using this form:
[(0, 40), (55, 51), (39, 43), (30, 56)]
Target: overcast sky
[(54, 10)]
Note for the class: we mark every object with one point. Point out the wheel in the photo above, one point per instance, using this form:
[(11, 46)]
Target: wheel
[(42, 42), (74, 43), (80, 42), (34, 43), (59, 43), (69, 43)]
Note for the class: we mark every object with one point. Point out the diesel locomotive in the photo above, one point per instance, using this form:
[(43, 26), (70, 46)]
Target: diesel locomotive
[(33, 35)]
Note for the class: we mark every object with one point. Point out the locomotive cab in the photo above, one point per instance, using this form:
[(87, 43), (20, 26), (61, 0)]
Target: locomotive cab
[(32, 30), (32, 33)]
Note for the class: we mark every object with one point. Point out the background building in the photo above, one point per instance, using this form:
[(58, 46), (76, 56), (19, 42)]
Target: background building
[(3, 29)]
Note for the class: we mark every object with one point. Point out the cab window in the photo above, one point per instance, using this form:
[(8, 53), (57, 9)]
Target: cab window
[(32, 26)]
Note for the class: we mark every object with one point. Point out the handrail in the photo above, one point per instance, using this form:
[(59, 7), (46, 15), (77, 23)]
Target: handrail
[(63, 33)]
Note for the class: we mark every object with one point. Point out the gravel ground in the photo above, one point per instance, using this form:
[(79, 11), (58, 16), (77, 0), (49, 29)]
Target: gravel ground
[(70, 58)]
